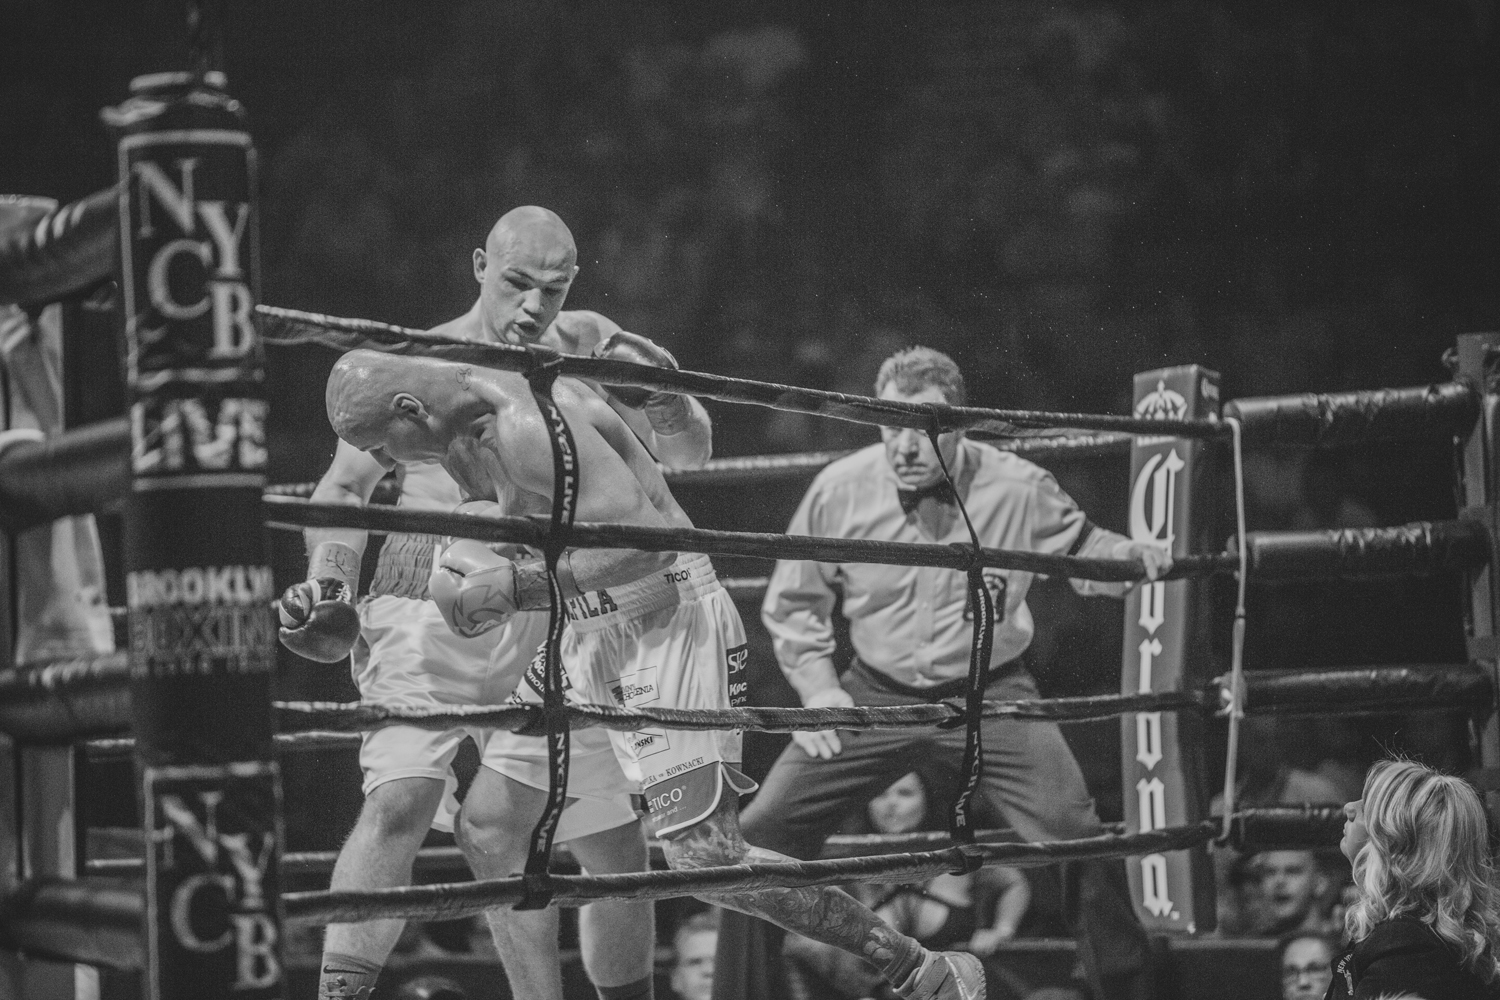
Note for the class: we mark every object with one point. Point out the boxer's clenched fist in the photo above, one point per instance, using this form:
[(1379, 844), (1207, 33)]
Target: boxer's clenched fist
[(318, 619), (625, 346)]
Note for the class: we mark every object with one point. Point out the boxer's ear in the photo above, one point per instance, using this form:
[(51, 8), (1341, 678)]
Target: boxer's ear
[(409, 405), (480, 260)]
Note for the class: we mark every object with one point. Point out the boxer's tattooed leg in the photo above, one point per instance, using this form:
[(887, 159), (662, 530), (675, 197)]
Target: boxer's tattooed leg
[(824, 913)]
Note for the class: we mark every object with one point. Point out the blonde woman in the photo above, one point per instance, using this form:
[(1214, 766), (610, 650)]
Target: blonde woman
[(1425, 918)]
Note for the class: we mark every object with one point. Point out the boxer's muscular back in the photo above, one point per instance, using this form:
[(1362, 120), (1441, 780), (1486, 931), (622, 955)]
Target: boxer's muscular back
[(619, 480)]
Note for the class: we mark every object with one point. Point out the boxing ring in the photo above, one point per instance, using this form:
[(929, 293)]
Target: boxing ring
[(201, 911)]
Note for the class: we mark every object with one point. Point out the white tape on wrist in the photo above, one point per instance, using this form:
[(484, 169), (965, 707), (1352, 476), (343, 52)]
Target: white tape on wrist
[(337, 560)]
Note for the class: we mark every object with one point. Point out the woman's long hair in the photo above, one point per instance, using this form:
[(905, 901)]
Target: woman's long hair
[(1427, 859)]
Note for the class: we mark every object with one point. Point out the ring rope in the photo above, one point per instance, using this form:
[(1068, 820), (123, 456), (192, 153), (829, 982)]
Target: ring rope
[(1236, 686), (354, 716), (297, 514), (96, 702), (462, 899), (303, 740), (290, 327), (1303, 825), (760, 468)]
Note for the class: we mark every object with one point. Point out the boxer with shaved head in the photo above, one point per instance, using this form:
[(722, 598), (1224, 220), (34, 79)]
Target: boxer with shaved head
[(405, 657)]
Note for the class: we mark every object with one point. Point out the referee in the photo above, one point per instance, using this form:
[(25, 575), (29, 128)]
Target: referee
[(912, 629)]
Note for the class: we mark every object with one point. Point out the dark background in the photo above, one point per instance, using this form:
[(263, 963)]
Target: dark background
[(1302, 196)]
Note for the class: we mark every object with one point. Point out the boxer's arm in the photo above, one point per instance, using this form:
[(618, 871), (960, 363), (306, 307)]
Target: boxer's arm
[(689, 446), (798, 612), (350, 479)]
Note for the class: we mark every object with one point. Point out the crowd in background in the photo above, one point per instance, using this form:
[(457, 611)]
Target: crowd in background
[(1057, 195)]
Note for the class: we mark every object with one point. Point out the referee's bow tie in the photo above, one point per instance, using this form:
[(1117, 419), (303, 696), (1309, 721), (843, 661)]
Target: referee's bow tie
[(941, 491)]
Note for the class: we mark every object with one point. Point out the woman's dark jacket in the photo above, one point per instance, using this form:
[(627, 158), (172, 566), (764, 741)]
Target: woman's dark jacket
[(1405, 956)]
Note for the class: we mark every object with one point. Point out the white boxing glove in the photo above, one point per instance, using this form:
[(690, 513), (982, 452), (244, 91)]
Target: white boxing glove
[(474, 587)]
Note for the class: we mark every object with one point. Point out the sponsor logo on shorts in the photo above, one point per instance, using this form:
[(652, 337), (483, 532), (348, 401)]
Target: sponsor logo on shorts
[(646, 742), (737, 663), (591, 605), (690, 793), (664, 800), (638, 688), (535, 677), (677, 575)]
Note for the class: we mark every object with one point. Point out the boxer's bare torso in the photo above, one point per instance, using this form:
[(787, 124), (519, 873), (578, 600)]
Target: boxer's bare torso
[(506, 456)]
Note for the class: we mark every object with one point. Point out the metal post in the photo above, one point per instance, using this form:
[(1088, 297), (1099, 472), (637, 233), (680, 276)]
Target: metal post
[(198, 580), (1479, 364), (1166, 649)]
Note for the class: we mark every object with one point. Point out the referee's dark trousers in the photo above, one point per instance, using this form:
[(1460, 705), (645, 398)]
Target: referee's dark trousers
[(1030, 775)]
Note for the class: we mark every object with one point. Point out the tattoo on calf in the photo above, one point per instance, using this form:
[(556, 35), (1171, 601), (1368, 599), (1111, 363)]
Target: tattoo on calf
[(822, 913)]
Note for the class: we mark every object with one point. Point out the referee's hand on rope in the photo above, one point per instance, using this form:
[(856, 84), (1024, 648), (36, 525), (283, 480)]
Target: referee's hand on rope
[(1154, 557), (824, 743)]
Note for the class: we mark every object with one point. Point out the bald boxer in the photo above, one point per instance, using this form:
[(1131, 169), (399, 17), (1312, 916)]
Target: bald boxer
[(407, 658), (645, 628)]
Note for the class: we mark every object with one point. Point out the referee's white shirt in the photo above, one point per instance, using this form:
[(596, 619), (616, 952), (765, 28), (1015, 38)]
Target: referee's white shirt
[(910, 623)]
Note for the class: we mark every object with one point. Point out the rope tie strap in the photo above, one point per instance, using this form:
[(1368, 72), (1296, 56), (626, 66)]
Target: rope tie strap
[(960, 823), (541, 376)]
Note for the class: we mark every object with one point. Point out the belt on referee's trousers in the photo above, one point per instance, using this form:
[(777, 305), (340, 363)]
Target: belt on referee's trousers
[(936, 692)]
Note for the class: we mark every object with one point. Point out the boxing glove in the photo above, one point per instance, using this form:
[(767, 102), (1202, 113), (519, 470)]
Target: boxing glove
[(474, 587), (624, 346), (318, 618)]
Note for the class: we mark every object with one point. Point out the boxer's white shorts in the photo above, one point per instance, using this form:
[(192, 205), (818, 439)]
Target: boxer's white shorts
[(407, 658), (670, 640)]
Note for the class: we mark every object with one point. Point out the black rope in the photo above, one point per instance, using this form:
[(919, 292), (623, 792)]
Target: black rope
[(540, 376), (291, 326), (291, 512)]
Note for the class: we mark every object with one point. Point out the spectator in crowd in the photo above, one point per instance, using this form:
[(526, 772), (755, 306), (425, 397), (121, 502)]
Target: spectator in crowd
[(693, 967), (1427, 916), (1293, 892), (1306, 965), (943, 912)]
